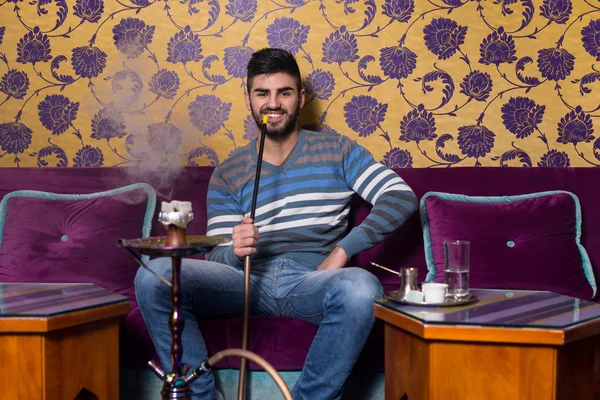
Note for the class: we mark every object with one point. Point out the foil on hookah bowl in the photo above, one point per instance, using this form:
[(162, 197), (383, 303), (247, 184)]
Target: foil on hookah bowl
[(177, 218)]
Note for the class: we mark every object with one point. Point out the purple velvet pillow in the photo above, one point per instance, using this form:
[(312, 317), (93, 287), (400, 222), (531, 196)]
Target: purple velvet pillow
[(529, 241), (49, 237)]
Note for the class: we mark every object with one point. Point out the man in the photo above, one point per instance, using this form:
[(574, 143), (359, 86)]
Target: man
[(299, 243)]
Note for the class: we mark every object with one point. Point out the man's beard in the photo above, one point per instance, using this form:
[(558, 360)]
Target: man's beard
[(278, 133)]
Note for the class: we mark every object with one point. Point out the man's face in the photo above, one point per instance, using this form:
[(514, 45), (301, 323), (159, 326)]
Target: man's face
[(277, 96)]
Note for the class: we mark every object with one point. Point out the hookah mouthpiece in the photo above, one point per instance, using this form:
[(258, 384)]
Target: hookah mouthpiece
[(265, 119), (175, 216)]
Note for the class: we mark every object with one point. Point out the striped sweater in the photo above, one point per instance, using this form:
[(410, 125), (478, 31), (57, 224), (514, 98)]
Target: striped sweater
[(303, 205)]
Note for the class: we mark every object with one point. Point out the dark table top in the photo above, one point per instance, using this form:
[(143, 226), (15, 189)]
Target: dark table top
[(506, 308), (52, 299)]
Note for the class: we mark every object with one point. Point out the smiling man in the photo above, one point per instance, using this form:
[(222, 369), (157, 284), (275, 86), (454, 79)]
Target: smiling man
[(299, 241)]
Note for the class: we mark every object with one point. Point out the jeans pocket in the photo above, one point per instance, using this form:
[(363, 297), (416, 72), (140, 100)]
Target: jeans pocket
[(305, 307)]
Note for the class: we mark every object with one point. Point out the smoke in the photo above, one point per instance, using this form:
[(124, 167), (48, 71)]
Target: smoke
[(129, 130), (161, 177)]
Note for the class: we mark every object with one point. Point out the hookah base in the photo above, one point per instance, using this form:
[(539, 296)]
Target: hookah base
[(176, 389)]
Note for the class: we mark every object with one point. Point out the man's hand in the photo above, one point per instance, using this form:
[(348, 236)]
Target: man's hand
[(245, 237), (337, 259)]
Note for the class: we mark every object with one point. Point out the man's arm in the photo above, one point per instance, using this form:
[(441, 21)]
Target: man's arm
[(224, 213), (392, 199)]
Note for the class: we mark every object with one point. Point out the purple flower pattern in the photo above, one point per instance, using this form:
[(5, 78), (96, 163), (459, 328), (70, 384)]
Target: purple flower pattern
[(15, 137), (397, 158), (575, 127), (88, 61), (364, 114), (202, 155), (477, 85), (208, 113), (418, 125), (521, 116), (57, 112), (34, 47), (475, 140), (320, 84), (236, 60), (555, 158), (250, 129), (399, 10), (497, 48), (137, 145), (164, 83), (339, 47), (243, 10), (443, 37), (184, 47), (590, 36), (132, 35), (397, 62), (557, 11), (88, 156), (108, 123), (89, 10), (287, 33), (164, 138), (555, 64), (15, 84)]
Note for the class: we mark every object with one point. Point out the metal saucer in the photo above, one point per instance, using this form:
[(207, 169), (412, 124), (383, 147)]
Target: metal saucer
[(449, 302)]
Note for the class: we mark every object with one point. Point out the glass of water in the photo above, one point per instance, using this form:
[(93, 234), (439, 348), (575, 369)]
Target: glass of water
[(456, 267)]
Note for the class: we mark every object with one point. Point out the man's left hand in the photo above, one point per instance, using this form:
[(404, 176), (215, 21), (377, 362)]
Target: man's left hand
[(337, 259)]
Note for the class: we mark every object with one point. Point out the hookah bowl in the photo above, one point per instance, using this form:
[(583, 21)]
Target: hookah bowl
[(176, 384)]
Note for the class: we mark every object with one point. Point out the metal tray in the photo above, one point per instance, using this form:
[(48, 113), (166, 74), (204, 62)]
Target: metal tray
[(156, 245), (450, 301)]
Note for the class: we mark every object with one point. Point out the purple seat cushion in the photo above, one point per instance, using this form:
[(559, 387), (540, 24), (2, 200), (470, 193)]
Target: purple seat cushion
[(48, 237), (517, 242), (283, 342)]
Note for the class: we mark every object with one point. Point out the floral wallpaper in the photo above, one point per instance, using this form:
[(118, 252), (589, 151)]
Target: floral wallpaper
[(420, 83)]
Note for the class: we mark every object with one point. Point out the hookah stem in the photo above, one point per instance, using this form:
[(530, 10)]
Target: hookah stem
[(176, 322), (243, 362)]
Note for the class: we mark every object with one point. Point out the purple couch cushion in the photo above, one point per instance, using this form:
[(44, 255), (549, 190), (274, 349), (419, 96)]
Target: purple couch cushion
[(283, 342), (405, 247), (49, 237), (517, 242)]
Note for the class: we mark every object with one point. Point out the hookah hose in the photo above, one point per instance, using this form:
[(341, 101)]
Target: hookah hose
[(243, 353), (243, 361)]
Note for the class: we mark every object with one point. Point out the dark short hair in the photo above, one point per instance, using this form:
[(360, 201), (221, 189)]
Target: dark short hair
[(270, 61)]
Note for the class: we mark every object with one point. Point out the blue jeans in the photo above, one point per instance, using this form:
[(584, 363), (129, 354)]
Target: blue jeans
[(339, 301)]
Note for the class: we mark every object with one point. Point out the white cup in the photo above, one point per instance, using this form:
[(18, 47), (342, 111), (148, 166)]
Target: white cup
[(434, 292)]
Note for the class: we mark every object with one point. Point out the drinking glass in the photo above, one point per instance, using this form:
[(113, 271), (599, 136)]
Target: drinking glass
[(456, 267)]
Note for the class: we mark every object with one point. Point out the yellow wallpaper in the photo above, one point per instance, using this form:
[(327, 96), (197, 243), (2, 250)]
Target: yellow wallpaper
[(419, 83)]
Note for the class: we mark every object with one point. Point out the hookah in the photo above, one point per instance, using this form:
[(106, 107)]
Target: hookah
[(175, 216)]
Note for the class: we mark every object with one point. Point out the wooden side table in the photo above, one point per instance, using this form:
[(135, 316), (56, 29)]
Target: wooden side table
[(510, 345), (58, 340)]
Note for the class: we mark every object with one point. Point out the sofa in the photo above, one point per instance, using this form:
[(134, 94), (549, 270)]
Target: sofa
[(92, 255)]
